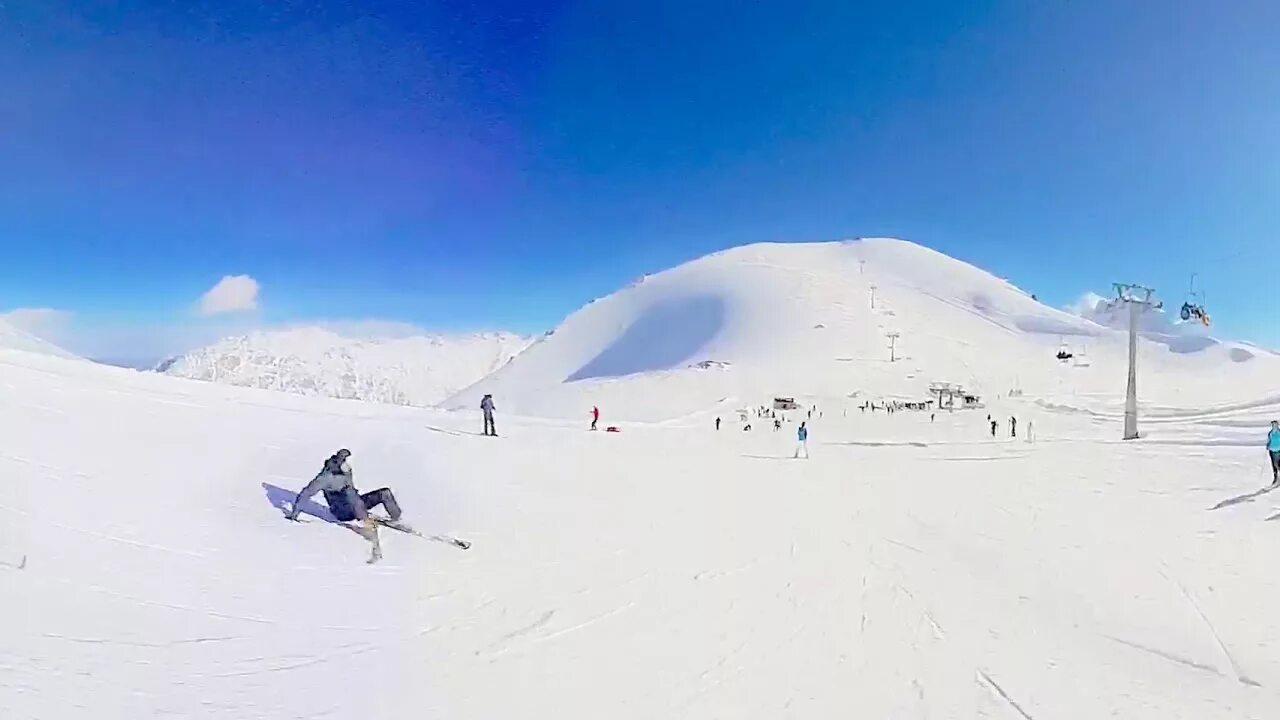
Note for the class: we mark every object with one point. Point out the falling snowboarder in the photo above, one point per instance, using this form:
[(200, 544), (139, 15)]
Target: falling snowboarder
[(335, 480), (486, 406)]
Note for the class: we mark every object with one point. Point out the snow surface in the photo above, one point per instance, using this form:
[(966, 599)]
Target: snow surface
[(910, 569), (796, 319), (418, 370), (12, 338)]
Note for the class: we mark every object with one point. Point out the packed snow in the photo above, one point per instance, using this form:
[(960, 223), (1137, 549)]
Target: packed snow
[(416, 370), (915, 567)]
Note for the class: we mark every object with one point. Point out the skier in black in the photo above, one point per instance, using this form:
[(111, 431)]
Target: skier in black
[(994, 423), (717, 423), (486, 406), (1013, 427)]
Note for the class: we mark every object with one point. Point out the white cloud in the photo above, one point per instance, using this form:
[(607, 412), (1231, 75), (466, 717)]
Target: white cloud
[(1087, 305), (45, 323), (232, 294)]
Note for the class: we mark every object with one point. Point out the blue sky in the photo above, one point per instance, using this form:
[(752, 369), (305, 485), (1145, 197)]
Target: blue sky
[(495, 165)]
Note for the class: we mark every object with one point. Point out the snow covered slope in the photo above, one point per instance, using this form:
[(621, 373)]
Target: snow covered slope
[(12, 338), (798, 320), (909, 570), (420, 370)]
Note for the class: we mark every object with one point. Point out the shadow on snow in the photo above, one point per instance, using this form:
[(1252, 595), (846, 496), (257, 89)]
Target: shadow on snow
[(281, 499), (1247, 497)]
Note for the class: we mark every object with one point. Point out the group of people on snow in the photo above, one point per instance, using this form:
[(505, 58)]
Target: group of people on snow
[(995, 425), (336, 479)]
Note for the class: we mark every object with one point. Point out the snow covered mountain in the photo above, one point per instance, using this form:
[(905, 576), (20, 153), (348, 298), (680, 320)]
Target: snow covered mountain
[(817, 320), (12, 338), (419, 370)]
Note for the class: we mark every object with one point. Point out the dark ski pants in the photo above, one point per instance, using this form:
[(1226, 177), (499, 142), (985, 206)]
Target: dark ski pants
[(1275, 464), (344, 509), (489, 428)]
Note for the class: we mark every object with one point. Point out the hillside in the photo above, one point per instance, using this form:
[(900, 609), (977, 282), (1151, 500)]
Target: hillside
[(910, 569), (418, 370), (738, 327), (12, 338)]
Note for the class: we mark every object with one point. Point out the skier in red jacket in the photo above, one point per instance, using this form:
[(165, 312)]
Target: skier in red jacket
[(595, 416)]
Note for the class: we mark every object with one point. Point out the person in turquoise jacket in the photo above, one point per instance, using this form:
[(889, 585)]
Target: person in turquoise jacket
[(802, 441), (1273, 447)]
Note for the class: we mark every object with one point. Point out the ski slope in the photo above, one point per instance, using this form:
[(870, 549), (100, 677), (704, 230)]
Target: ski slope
[(908, 570), (13, 338), (797, 319), (415, 370)]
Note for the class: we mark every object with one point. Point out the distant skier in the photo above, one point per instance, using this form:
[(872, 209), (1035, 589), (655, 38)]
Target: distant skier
[(802, 441), (486, 405), (1273, 448), (994, 424), (1013, 427), (717, 423), (747, 428), (777, 425), (931, 416), (335, 480), (595, 416)]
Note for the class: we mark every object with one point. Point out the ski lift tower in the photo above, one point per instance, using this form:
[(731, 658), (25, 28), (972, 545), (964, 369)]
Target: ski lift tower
[(1138, 298)]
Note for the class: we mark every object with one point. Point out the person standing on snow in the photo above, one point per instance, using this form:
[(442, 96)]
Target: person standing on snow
[(595, 416), (1273, 448), (486, 405), (717, 423), (335, 480), (802, 441), (1013, 427), (994, 424)]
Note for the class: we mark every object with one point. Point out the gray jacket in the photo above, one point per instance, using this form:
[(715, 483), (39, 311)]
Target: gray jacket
[(487, 405), (336, 477)]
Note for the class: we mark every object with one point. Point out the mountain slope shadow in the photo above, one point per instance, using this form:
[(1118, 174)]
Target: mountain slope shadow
[(665, 335)]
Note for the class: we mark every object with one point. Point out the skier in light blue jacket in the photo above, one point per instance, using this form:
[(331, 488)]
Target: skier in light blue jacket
[(802, 441), (1273, 448)]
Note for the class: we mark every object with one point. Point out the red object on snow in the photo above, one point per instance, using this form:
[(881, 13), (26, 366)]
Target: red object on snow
[(612, 428)]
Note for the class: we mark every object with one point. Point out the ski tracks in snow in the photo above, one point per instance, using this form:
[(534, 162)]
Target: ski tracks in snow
[(1230, 660), (985, 680), (508, 643)]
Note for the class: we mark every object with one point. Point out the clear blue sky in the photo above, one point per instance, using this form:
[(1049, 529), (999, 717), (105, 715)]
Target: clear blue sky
[(497, 164)]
